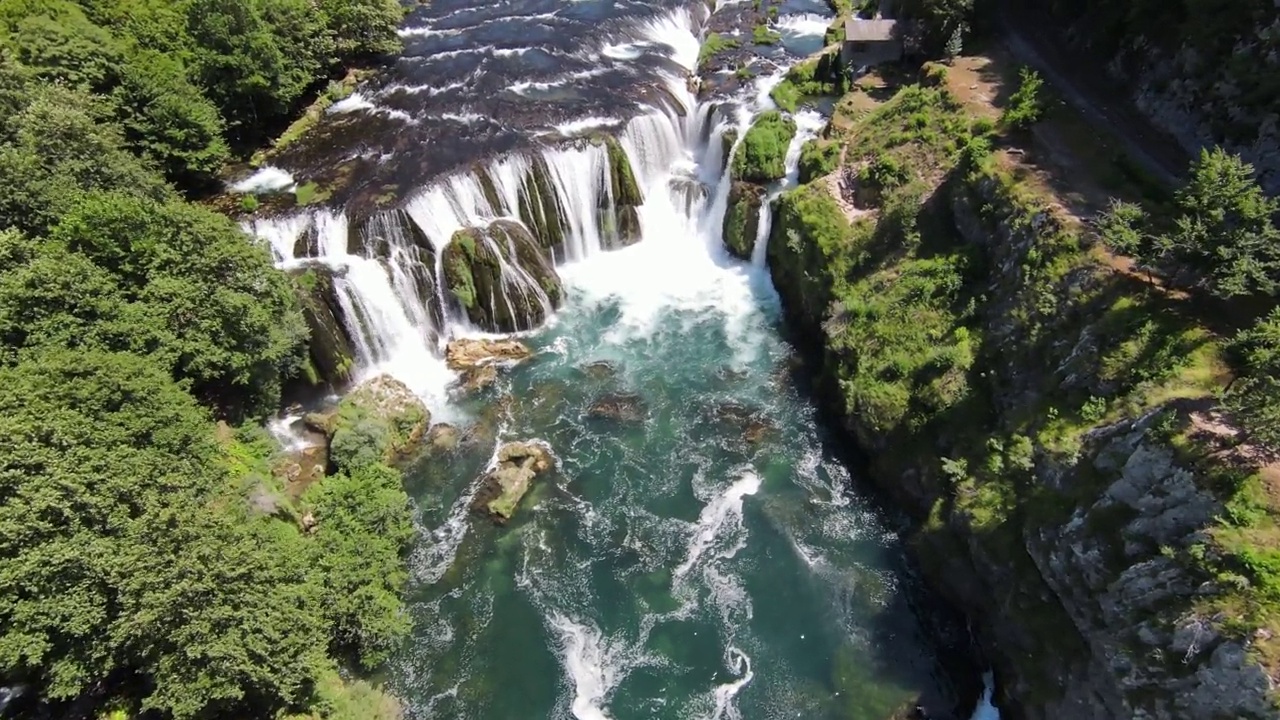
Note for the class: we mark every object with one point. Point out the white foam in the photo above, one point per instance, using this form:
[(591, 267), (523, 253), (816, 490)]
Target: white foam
[(724, 509), (623, 51), (267, 179), (740, 663), (282, 429), (582, 125), (803, 34), (351, 103), (589, 665)]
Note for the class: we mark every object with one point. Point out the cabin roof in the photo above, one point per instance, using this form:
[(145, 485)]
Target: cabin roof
[(856, 30)]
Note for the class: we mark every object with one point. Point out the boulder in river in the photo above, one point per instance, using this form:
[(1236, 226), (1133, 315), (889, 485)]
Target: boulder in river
[(502, 487), (468, 353), (380, 421), (500, 277)]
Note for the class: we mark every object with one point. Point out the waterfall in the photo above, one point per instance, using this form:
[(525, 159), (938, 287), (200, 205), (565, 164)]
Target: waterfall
[(389, 281)]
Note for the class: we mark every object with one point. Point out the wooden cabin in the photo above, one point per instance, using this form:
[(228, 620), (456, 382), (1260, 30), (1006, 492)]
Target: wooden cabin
[(870, 42)]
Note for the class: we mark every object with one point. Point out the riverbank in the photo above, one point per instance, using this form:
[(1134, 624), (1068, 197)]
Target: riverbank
[(1027, 398)]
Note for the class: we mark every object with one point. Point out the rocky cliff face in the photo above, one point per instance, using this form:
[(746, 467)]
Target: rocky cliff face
[(1204, 74), (1070, 537)]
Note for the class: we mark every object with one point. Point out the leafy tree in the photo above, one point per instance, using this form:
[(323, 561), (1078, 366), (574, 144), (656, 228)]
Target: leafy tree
[(1024, 107), (363, 27), (1225, 233), (363, 528), (955, 43), (62, 45), (251, 69), (166, 118), (80, 430), (233, 319), (1252, 396), (123, 554), (222, 613), (57, 150), (937, 19), (50, 297)]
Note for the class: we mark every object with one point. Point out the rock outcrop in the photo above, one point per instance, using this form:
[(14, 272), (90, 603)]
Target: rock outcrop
[(502, 488), (540, 209), (380, 421), (477, 360), (501, 278)]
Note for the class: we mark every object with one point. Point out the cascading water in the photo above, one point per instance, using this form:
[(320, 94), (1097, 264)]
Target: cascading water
[(707, 561)]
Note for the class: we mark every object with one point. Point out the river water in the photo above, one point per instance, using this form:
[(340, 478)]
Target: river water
[(701, 551)]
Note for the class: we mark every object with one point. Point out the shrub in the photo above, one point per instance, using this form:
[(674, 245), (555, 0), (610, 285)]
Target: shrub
[(1024, 105)]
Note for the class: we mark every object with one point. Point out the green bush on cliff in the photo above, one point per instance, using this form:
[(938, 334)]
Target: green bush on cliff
[(761, 157), (818, 158)]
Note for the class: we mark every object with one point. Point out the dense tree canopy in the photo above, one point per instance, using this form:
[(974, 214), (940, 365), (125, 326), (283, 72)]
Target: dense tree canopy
[(143, 568), (188, 79)]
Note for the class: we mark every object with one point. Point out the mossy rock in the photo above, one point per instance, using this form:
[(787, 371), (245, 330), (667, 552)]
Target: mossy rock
[(623, 185), (761, 157), (329, 347), (380, 421), (540, 209), (742, 219), (501, 277), (726, 147)]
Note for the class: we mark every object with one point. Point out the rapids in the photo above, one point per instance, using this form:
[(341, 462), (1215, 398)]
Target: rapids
[(711, 560)]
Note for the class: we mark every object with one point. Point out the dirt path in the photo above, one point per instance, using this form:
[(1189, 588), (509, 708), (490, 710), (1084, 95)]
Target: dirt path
[(1028, 32)]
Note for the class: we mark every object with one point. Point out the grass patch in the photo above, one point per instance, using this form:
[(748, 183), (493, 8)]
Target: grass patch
[(714, 45), (765, 35)]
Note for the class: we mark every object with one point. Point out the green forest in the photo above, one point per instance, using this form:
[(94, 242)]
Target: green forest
[(152, 560)]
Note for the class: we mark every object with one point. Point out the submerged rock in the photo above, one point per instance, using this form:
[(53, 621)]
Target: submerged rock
[(753, 424), (380, 421), (443, 437), (600, 369), (502, 487), (478, 378), (742, 219), (626, 407), (468, 353), (500, 277)]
